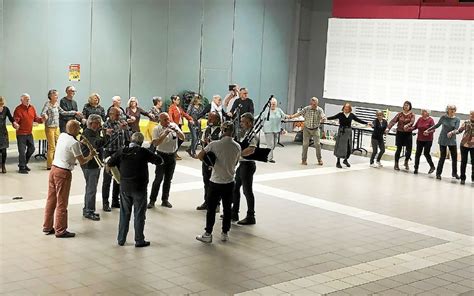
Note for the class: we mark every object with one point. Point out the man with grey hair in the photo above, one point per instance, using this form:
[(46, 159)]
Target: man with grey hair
[(91, 169), (68, 103), (133, 162), (313, 116), (24, 115)]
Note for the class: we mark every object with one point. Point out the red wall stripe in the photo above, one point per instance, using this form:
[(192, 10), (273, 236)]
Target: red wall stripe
[(403, 9)]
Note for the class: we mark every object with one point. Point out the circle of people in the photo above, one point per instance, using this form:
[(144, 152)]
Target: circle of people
[(116, 146)]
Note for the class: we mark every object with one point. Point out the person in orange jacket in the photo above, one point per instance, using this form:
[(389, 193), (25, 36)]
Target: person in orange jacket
[(176, 114)]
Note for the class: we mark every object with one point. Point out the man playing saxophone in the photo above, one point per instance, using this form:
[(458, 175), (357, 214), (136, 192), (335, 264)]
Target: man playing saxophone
[(93, 141)]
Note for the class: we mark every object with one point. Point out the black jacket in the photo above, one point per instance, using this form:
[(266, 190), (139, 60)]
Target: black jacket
[(133, 162)]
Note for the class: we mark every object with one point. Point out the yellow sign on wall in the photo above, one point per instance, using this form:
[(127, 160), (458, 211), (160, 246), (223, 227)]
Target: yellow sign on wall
[(74, 72)]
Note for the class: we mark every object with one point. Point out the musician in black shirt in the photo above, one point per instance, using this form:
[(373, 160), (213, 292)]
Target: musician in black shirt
[(211, 133), (133, 161), (244, 174)]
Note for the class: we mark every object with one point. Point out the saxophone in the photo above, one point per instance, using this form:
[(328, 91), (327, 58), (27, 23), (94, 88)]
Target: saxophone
[(91, 148)]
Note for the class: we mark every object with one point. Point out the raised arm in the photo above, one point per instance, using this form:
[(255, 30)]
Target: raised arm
[(37, 118), (393, 121), (334, 116), (440, 122), (359, 120), (9, 115), (462, 128)]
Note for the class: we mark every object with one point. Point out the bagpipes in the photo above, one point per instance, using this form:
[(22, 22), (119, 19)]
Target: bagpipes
[(260, 154)]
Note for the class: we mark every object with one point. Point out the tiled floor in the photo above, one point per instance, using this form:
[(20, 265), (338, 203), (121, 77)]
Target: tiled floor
[(320, 230)]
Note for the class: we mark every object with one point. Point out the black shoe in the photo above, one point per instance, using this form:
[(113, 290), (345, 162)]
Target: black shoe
[(150, 205), (23, 171), (346, 163), (107, 208), (234, 217), (272, 161), (432, 169), (66, 234), (247, 221), (438, 177), (166, 204), (463, 182), (27, 168), (92, 217), (338, 165), (142, 244), (121, 243), (407, 167), (48, 232), (189, 152), (456, 176), (415, 172), (202, 207), (396, 167), (116, 205)]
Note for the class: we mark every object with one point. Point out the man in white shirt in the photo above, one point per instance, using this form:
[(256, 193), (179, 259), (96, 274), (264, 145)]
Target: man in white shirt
[(165, 139), (68, 149), (227, 153)]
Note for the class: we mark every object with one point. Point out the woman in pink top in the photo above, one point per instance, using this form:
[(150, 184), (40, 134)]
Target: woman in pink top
[(467, 146), (424, 142), (404, 121)]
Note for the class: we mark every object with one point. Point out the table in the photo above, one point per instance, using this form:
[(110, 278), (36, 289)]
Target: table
[(39, 134), (356, 136)]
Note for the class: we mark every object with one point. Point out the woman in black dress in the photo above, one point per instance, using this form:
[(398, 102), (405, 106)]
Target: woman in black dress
[(4, 141), (343, 148)]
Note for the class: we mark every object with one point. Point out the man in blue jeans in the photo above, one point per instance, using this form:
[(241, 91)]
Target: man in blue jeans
[(133, 161)]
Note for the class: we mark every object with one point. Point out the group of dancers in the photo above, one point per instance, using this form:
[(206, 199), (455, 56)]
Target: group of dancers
[(117, 144), (450, 125)]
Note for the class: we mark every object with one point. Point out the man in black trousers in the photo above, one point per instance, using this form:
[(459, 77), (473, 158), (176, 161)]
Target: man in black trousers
[(133, 161), (165, 139), (227, 154), (211, 133), (244, 174)]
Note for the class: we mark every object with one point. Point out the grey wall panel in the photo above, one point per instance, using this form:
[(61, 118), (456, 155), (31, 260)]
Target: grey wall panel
[(25, 32), (215, 83), (69, 43), (149, 50), (277, 39), (218, 20), (246, 67), (317, 58), (110, 49), (184, 45)]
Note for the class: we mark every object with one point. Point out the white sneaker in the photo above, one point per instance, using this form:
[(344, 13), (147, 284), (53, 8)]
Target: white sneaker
[(379, 164), (373, 165), (224, 237), (205, 238)]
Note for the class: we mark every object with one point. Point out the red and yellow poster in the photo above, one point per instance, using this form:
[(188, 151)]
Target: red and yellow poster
[(74, 72)]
